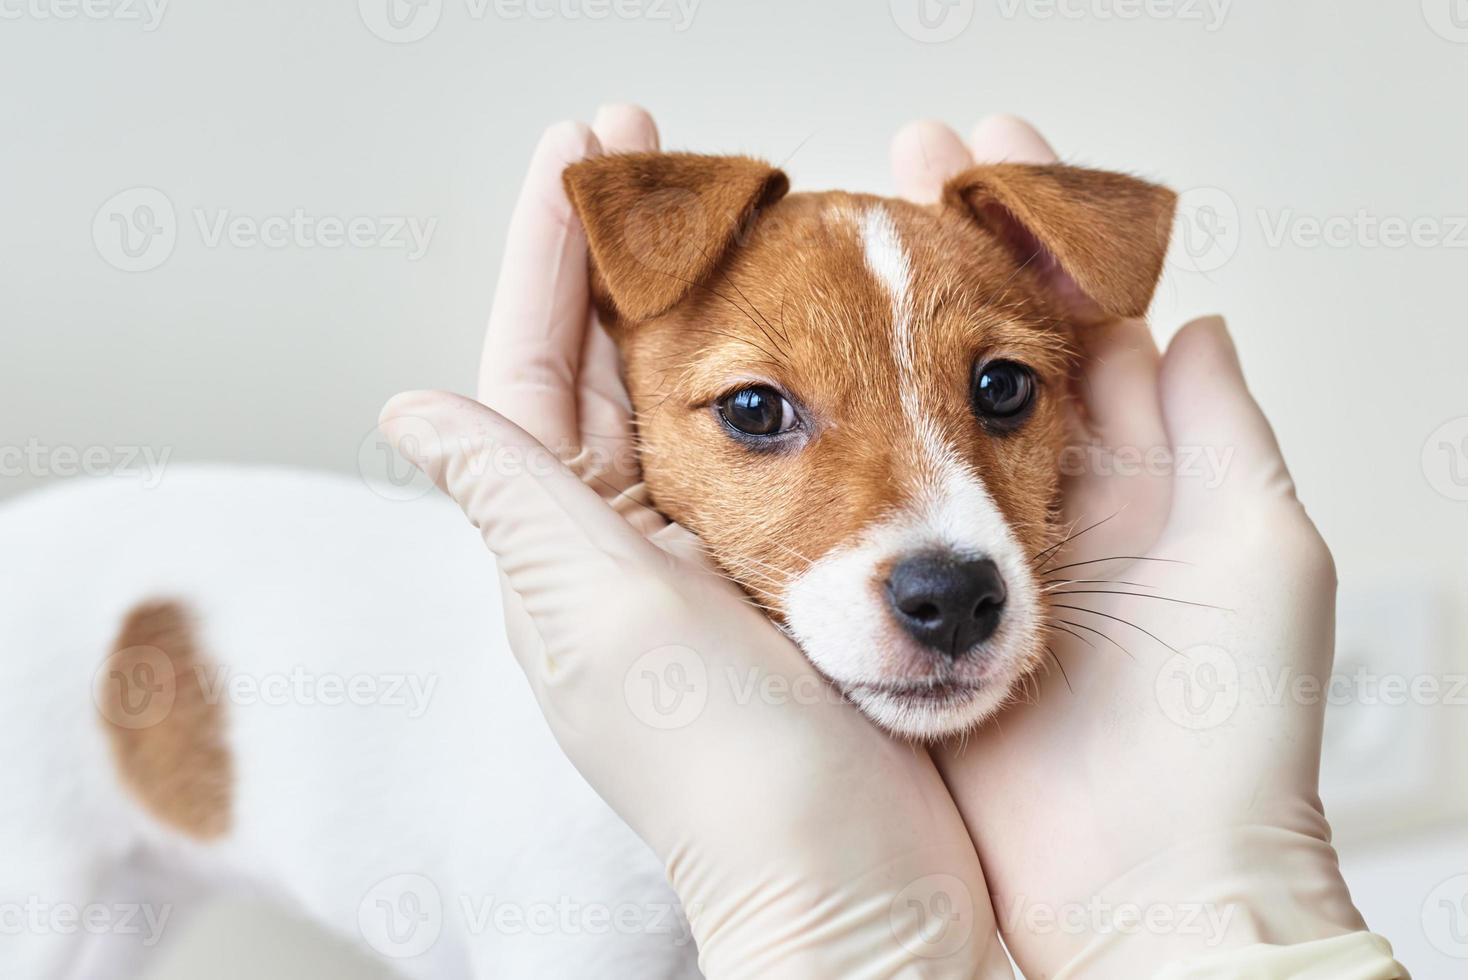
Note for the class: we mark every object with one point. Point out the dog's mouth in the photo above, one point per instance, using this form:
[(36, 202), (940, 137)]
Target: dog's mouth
[(953, 685), (936, 707), (932, 693), (925, 711)]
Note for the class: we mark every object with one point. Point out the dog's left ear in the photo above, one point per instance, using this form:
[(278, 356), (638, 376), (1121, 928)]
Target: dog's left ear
[(1098, 239), (659, 224)]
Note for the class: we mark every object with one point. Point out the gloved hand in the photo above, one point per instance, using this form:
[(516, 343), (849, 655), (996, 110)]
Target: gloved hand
[(1155, 797), (802, 841)]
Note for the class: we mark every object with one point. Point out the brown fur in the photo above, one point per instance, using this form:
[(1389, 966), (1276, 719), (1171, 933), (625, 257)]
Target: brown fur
[(657, 223), (1012, 261), (1083, 234), (171, 754)]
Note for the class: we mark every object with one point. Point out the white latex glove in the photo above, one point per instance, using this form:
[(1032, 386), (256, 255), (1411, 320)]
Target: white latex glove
[(1167, 774), (801, 840)]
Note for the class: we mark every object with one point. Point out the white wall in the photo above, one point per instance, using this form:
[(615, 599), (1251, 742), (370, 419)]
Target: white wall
[(1296, 111)]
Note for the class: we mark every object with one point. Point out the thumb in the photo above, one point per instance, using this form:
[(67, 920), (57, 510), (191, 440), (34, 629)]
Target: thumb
[(546, 527), (1223, 445)]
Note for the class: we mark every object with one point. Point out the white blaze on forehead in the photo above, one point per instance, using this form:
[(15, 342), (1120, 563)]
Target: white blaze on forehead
[(836, 608), (954, 508), (889, 263), (886, 257)]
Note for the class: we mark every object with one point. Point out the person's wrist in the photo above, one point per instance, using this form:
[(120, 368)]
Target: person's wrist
[(922, 913), (1220, 890)]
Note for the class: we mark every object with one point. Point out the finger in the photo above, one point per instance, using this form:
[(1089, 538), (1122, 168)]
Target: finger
[(1119, 387), (605, 415), (625, 129), (1120, 475), (1213, 421), (549, 530), (1009, 139), (925, 155), (533, 343), (685, 546)]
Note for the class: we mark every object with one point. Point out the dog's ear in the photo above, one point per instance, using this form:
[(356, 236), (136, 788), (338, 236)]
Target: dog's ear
[(1097, 238), (659, 223)]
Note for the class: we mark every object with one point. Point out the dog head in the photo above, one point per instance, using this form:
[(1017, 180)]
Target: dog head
[(859, 404)]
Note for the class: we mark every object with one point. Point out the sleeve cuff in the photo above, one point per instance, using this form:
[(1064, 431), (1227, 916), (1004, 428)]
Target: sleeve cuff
[(1354, 956)]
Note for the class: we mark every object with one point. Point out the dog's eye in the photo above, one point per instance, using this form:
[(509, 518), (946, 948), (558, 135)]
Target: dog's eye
[(1004, 393), (757, 411)]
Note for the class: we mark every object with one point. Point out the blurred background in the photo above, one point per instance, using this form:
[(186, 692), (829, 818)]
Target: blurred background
[(231, 231)]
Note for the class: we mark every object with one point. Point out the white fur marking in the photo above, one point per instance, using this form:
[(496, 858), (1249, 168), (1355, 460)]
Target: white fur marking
[(837, 611), (889, 262), (887, 259), (835, 608)]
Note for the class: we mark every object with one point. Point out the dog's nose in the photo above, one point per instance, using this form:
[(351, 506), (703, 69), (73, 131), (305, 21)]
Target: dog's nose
[(945, 602)]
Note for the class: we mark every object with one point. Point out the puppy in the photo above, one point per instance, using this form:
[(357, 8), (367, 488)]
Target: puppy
[(287, 685), (860, 404)]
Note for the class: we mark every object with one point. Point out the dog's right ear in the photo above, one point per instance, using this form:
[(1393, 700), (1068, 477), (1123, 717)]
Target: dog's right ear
[(658, 224)]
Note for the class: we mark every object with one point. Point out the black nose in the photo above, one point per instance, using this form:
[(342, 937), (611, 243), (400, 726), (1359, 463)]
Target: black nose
[(946, 602)]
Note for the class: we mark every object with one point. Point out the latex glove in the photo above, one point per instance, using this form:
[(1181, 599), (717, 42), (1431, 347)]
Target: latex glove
[(801, 841), (1167, 772)]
